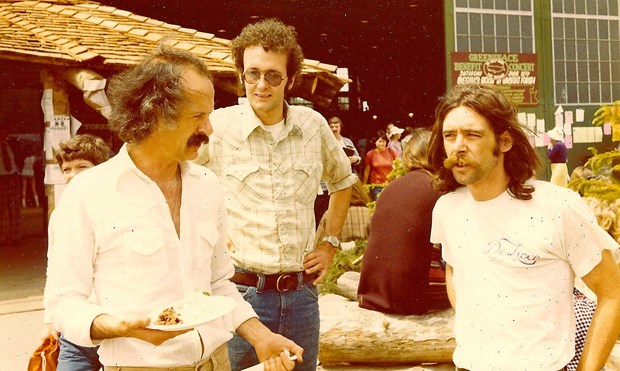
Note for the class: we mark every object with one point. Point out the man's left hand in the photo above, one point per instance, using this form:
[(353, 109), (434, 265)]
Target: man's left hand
[(270, 352), (319, 261)]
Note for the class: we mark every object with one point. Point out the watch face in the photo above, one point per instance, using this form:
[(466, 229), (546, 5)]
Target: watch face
[(332, 240)]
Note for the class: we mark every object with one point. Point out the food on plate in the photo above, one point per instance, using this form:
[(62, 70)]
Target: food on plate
[(169, 316)]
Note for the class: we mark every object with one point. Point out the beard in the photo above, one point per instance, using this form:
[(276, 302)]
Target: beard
[(196, 140)]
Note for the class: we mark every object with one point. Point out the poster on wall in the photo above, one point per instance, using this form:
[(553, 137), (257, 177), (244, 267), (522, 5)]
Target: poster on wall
[(57, 132), (515, 74)]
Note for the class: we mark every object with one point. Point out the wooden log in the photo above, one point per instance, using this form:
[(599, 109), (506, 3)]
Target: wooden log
[(347, 284), (352, 335)]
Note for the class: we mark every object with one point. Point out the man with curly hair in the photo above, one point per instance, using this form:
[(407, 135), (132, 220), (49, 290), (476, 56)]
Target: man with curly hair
[(513, 245), (146, 228), (271, 156)]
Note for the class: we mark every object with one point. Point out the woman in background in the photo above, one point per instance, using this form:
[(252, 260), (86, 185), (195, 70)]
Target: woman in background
[(557, 154), (378, 164), (401, 270)]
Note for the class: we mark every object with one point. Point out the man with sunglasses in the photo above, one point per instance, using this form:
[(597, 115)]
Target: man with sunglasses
[(271, 156)]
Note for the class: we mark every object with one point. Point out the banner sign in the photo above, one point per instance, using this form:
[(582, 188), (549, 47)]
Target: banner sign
[(515, 74)]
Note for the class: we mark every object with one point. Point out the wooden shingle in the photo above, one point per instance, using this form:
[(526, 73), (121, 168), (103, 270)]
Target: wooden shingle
[(78, 33)]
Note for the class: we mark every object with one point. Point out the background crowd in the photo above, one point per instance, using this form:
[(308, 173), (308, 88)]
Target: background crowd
[(251, 202)]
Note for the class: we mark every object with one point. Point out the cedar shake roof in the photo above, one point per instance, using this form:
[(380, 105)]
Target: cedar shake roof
[(86, 34)]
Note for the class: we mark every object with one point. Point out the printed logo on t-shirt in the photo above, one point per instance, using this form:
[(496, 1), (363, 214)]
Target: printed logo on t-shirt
[(505, 250)]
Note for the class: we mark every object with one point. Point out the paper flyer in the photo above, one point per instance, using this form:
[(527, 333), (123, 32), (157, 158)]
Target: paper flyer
[(568, 141), (47, 105), (568, 117), (559, 120), (53, 174), (57, 132), (579, 114)]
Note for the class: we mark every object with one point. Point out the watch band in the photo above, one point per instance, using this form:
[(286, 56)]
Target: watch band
[(332, 240)]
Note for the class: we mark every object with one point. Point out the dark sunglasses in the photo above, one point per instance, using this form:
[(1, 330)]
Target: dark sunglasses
[(273, 78)]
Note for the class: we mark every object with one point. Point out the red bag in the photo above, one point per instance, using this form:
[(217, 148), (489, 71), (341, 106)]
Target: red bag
[(45, 358)]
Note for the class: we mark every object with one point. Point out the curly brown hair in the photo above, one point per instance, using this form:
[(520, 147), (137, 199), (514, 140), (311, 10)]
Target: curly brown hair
[(272, 35), (520, 162), (83, 147), (150, 91)]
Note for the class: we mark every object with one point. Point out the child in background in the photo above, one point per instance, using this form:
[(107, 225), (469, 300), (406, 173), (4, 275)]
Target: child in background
[(74, 156)]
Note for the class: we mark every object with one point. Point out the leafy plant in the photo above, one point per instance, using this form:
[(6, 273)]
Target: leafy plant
[(344, 261), (603, 181), (607, 113), (398, 170)]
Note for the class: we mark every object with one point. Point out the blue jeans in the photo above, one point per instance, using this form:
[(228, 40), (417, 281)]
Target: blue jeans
[(293, 314), (375, 192), (77, 358)]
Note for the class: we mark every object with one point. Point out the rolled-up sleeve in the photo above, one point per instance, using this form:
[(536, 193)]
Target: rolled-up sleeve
[(337, 172)]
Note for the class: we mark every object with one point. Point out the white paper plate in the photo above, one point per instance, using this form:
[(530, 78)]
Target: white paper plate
[(194, 310)]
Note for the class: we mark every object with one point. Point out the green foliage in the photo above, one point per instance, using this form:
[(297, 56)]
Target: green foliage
[(607, 113), (397, 171), (604, 181), (344, 261)]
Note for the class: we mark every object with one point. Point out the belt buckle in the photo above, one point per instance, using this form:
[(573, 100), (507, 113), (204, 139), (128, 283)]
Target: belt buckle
[(282, 278)]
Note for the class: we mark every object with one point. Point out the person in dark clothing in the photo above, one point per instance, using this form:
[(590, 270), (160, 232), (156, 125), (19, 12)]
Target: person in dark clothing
[(557, 154), (401, 270), (10, 188)]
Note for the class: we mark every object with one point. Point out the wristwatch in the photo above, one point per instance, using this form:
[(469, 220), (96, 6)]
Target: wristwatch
[(333, 240)]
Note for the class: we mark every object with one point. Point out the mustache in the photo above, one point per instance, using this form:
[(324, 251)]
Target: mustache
[(454, 160), (197, 140)]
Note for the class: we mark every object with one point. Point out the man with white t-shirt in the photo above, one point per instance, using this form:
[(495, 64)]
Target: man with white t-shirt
[(513, 245)]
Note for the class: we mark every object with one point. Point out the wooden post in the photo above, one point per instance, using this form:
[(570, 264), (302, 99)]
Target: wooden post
[(60, 99)]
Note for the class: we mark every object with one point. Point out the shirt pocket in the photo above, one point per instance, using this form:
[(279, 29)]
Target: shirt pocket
[(243, 183), (145, 248), (306, 178)]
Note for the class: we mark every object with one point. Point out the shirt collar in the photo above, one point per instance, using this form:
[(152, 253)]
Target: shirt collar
[(250, 121), (124, 165)]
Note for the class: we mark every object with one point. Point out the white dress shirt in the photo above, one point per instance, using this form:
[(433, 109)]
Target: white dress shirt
[(112, 233)]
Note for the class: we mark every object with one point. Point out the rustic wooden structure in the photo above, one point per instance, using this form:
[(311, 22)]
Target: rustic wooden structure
[(88, 35), (73, 42)]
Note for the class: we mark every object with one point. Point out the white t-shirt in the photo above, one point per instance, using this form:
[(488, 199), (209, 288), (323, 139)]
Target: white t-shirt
[(514, 263), (274, 129)]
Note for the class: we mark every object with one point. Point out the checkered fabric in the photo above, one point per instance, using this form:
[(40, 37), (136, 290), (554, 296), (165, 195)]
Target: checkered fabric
[(584, 310), (356, 225)]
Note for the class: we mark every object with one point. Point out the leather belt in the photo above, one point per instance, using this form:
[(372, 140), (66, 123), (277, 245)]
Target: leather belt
[(280, 282), (218, 357), (464, 369)]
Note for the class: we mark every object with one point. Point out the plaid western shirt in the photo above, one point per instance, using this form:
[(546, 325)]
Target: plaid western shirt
[(272, 183)]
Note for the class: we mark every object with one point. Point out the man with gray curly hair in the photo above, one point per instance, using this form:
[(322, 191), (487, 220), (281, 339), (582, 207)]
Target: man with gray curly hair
[(147, 229), (271, 156)]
